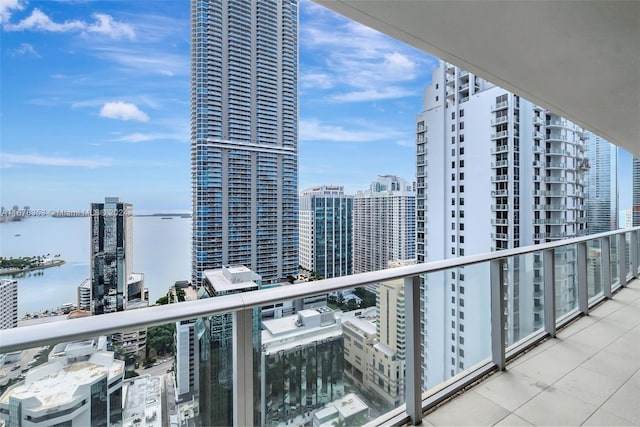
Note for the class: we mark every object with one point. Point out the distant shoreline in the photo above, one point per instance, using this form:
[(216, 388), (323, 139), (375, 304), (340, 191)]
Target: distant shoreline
[(181, 215), (9, 271)]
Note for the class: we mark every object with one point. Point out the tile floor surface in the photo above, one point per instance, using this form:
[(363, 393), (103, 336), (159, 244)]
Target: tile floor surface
[(588, 375)]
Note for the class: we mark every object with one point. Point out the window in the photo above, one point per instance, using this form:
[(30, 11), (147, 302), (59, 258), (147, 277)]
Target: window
[(461, 214), (461, 138), (453, 177), (462, 226), (453, 165), (461, 239), (461, 302), (453, 336), (462, 200), (462, 314), (461, 175), (453, 251), (461, 341), (462, 188), (461, 125), (453, 214), (453, 274), (461, 352), (461, 252), (453, 127), (437, 98), (461, 365), (437, 85), (461, 163), (462, 289), (453, 225), (453, 139), (461, 327), (453, 188), (461, 113), (461, 276), (453, 312), (453, 300), (453, 202), (453, 114), (453, 287), (461, 150), (453, 239)]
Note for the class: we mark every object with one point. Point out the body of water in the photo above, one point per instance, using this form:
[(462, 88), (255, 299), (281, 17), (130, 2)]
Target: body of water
[(161, 250)]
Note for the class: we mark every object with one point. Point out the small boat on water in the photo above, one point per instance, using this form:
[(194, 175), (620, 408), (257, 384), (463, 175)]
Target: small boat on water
[(16, 235), (166, 217)]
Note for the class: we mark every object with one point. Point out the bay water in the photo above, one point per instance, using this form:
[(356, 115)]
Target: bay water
[(161, 250)]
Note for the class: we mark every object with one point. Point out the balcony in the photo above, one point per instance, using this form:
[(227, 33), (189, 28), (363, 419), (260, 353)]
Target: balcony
[(499, 164), (499, 106), (562, 369), (499, 120), (501, 134)]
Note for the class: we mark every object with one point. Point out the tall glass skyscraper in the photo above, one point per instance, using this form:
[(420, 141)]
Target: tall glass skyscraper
[(602, 191), (326, 224), (244, 136), (111, 254)]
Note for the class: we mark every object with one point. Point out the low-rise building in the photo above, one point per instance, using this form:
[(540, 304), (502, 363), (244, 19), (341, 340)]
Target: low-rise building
[(302, 365), (349, 410), (80, 385)]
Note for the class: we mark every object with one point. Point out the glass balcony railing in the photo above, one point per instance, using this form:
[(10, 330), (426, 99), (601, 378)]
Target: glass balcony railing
[(252, 359)]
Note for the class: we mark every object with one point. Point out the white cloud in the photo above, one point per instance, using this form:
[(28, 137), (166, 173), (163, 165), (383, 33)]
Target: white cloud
[(123, 111), (361, 63), (25, 49), (316, 80), (406, 143), (373, 94), (106, 25), (147, 61), (7, 7), (143, 137), (103, 24), (314, 130), (9, 160)]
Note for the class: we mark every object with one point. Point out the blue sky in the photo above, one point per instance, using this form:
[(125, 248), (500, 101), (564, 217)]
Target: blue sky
[(95, 102)]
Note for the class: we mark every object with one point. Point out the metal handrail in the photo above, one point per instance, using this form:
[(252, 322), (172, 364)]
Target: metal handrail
[(87, 327), (242, 304)]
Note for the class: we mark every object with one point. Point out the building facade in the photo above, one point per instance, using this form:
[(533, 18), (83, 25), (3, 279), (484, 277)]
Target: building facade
[(602, 190), (244, 138), (325, 236), (383, 224), (80, 385), (514, 175), (8, 303), (301, 365), (214, 336), (111, 254), (635, 214)]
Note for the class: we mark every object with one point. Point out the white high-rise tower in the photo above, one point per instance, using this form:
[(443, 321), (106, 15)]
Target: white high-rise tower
[(494, 171)]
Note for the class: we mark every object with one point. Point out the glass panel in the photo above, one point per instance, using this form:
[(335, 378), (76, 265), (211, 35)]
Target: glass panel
[(373, 329), (628, 270), (613, 258), (594, 268), (457, 328), (566, 279), (524, 288)]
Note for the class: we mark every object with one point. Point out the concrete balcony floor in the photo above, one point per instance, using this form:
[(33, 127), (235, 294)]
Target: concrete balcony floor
[(588, 375)]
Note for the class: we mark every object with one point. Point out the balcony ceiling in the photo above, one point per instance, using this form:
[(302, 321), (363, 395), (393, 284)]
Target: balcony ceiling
[(580, 59)]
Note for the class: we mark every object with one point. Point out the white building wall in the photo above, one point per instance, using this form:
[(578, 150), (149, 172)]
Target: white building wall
[(482, 185)]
